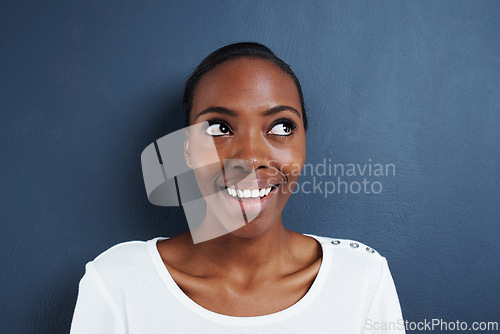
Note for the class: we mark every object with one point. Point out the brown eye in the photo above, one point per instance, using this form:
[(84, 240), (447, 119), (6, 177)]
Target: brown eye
[(281, 129), (218, 129)]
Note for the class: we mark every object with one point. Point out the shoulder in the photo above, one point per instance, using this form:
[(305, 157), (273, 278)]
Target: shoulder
[(122, 251), (351, 253), (348, 245), (352, 260), (116, 274), (123, 258)]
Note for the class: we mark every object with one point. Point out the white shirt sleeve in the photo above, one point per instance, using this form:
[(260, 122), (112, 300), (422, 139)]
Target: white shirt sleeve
[(384, 315), (95, 311)]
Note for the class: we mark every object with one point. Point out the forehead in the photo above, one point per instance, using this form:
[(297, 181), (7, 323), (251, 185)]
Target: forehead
[(244, 82)]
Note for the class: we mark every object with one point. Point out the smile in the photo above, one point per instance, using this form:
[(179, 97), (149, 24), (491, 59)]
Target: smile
[(249, 193)]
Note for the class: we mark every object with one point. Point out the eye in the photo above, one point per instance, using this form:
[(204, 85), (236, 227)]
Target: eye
[(283, 128), (218, 128)]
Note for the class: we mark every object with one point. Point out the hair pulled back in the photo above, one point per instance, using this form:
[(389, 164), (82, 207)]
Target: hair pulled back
[(234, 51)]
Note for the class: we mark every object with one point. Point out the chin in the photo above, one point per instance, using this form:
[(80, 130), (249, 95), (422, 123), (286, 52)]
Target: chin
[(255, 228)]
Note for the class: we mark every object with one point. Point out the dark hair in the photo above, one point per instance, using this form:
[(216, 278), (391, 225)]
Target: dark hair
[(233, 51)]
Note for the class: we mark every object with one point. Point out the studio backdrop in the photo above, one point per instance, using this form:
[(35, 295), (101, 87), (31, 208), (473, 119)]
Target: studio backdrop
[(403, 99)]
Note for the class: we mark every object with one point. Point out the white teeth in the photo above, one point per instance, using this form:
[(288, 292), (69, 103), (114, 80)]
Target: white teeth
[(247, 193)]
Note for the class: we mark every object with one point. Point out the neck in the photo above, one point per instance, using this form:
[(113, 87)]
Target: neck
[(247, 256)]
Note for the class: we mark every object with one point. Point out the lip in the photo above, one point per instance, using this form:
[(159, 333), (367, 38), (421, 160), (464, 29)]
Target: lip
[(243, 180), (258, 184), (249, 207)]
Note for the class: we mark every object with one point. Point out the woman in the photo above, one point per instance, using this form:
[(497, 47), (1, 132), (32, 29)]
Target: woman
[(260, 277)]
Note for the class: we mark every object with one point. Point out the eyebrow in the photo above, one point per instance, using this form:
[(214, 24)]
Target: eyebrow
[(229, 112)]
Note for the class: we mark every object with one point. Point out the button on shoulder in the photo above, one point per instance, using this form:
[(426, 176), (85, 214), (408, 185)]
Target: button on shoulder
[(352, 245)]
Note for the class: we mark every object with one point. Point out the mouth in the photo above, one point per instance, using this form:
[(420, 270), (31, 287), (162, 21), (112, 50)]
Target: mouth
[(241, 194), (242, 205)]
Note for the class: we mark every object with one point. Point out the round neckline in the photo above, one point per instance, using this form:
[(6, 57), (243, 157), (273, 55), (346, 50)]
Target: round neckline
[(212, 316)]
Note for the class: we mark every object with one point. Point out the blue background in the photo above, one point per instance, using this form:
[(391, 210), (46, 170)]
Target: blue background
[(86, 86)]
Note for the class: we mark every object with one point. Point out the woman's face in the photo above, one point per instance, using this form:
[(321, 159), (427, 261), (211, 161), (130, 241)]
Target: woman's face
[(254, 118)]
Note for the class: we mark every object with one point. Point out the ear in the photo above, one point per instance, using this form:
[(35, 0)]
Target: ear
[(187, 154)]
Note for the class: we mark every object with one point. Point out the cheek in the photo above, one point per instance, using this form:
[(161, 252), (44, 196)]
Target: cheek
[(294, 169), (204, 160), (202, 151), (291, 161)]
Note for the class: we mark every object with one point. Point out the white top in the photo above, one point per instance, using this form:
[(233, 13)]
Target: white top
[(127, 289)]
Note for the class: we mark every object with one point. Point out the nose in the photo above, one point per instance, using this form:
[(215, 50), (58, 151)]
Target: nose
[(249, 150)]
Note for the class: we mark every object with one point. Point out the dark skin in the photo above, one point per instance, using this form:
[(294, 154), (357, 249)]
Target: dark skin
[(261, 268)]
